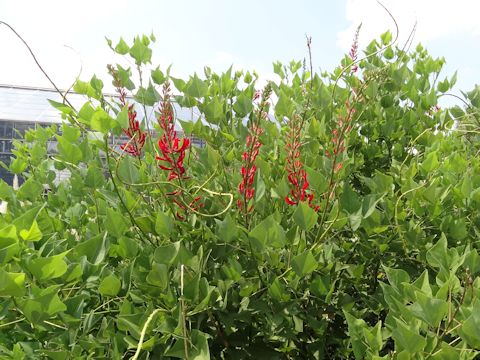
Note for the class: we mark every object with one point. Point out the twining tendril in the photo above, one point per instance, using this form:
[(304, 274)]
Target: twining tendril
[(197, 189)]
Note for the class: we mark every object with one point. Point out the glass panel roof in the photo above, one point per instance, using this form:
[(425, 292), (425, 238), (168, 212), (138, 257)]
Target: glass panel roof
[(31, 104)]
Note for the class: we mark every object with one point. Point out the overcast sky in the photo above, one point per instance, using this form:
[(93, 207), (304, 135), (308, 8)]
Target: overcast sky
[(69, 35)]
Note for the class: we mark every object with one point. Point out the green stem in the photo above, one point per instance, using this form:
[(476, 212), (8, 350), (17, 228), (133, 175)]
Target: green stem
[(139, 230)]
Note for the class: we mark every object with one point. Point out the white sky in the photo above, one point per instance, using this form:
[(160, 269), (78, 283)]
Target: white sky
[(248, 33)]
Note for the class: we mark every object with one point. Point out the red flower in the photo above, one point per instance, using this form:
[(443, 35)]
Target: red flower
[(137, 137), (339, 133), (296, 174), (354, 50), (135, 134), (173, 151), (248, 170)]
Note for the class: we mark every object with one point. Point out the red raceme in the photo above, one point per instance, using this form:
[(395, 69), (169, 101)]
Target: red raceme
[(249, 169), (136, 136), (296, 174), (172, 148), (246, 188), (343, 124), (172, 155), (353, 53)]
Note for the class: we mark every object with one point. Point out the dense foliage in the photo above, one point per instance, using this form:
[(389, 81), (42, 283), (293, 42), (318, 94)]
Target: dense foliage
[(328, 216)]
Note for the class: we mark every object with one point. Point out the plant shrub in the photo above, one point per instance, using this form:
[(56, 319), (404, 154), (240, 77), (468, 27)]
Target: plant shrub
[(328, 216)]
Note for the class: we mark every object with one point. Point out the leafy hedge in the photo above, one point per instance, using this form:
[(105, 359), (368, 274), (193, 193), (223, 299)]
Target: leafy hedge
[(329, 216)]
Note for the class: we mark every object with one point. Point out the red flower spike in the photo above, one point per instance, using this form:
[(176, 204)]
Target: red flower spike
[(354, 50), (172, 154), (296, 174), (249, 169), (135, 135)]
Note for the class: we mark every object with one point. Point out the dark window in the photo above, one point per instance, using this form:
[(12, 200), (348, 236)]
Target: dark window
[(6, 146), (6, 130), (5, 159)]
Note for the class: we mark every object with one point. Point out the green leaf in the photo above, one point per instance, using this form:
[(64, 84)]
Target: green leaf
[(243, 105), (65, 109), (278, 69), (46, 268), (124, 76), (12, 284), (56, 355), (196, 88), (396, 277), (443, 86), (355, 331), (70, 133), (146, 223), (167, 254), (30, 190), (429, 309), (110, 286), (179, 84), (43, 304), (422, 283), (355, 219), (127, 171), (407, 337), (320, 286), (101, 121), (158, 276), (140, 52), (9, 246), (18, 166), (157, 76), (86, 88), (388, 53), (386, 37), (95, 178), (122, 47), (430, 162), (374, 337), (437, 256), (284, 106), (197, 347), (148, 96), (25, 220), (304, 263), (470, 331), (305, 216), (94, 249), (277, 291), (33, 234), (192, 287), (214, 111), (115, 223), (227, 229), (349, 200), (122, 118), (127, 248), (369, 204), (164, 224), (472, 261), (268, 233), (70, 152)]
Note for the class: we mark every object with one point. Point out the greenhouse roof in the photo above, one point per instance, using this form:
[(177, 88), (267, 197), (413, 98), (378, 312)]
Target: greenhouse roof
[(29, 104)]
